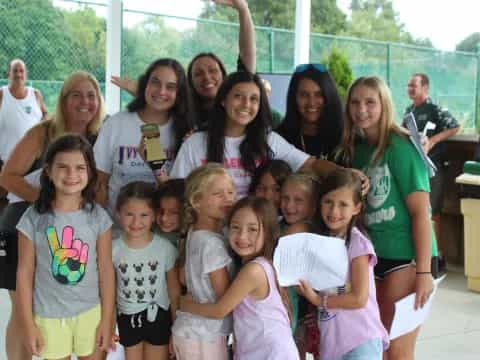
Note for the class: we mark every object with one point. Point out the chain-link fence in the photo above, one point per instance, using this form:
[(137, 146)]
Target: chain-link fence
[(66, 35)]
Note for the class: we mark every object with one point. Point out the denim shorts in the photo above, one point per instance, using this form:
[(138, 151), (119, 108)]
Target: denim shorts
[(369, 350)]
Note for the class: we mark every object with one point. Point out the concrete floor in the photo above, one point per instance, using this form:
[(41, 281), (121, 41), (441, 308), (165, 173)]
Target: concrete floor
[(452, 330)]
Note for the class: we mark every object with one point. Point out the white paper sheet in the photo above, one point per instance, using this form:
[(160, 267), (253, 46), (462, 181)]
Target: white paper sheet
[(410, 123), (406, 318), (118, 354), (320, 260)]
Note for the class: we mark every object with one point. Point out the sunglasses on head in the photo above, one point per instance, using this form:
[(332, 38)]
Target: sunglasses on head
[(304, 67)]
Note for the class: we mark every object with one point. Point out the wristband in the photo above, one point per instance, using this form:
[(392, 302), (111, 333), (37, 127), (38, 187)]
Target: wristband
[(423, 272)]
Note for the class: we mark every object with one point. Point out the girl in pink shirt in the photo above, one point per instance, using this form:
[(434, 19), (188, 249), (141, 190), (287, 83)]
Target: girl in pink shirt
[(261, 321), (348, 316)]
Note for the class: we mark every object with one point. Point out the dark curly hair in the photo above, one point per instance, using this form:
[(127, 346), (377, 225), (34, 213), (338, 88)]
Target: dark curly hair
[(67, 143), (254, 149), (181, 110)]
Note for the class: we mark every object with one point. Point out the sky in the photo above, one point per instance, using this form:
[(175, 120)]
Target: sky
[(445, 25)]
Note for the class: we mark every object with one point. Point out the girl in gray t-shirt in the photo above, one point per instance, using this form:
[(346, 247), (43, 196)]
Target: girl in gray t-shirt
[(65, 271), (210, 193)]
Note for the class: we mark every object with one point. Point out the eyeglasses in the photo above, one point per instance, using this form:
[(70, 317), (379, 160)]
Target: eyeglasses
[(304, 67)]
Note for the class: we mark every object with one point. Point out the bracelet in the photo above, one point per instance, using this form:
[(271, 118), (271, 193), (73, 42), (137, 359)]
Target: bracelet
[(158, 172), (324, 301), (423, 272)]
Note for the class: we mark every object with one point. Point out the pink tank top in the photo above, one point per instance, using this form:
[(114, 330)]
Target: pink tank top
[(262, 328)]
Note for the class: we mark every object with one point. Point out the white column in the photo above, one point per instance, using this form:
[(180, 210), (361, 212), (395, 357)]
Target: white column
[(302, 32), (114, 52)]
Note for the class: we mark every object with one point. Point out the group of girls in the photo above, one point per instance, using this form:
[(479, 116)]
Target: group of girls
[(174, 236), (149, 278)]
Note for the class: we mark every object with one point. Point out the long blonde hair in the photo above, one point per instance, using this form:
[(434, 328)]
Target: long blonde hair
[(58, 121), (387, 122), (196, 183)]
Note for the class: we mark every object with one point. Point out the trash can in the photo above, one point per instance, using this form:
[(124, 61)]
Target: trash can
[(470, 206)]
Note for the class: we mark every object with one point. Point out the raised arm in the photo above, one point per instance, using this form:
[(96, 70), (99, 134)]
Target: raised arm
[(246, 44), (19, 163), (126, 84)]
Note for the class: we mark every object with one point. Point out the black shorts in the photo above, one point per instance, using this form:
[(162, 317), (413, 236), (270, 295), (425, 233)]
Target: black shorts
[(135, 328), (9, 244), (436, 191), (8, 260), (387, 266)]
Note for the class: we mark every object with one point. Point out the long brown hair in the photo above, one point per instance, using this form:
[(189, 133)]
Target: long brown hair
[(266, 215), (338, 179)]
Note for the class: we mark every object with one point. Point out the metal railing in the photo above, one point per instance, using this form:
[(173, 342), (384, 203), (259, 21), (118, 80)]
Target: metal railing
[(65, 42)]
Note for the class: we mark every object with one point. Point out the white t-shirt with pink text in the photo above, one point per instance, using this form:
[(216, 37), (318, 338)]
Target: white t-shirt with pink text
[(193, 153), (116, 152)]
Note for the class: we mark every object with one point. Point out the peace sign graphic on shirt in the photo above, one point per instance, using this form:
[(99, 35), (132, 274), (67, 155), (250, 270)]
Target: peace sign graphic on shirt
[(69, 258)]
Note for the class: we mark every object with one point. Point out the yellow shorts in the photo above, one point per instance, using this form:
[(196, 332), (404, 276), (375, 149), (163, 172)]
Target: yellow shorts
[(75, 335)]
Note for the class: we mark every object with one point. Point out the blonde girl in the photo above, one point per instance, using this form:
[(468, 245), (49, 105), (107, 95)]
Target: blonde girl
[(210, 195), (298, 202), (397, 206)]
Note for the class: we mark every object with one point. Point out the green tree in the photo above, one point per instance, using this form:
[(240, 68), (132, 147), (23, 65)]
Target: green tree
[(470, 43), (34, 31), (146, 41), (377, 20), (88, 33), (340, 69), (326, 17)]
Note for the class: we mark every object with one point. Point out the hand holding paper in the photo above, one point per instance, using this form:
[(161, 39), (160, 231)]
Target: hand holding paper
[(320, 260), (406, 318)]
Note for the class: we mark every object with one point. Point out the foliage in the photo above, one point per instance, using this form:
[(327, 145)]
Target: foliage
[(147, 41), (470, 43), (35, 30), (87, 32), (377, 20), (339, 68), (326, 17)]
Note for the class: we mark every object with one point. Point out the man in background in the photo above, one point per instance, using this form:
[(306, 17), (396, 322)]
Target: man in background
[(445, 125)]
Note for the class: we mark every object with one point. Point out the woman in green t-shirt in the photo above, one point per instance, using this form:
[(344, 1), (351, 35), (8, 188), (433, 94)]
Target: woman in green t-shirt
[(397, 205)]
